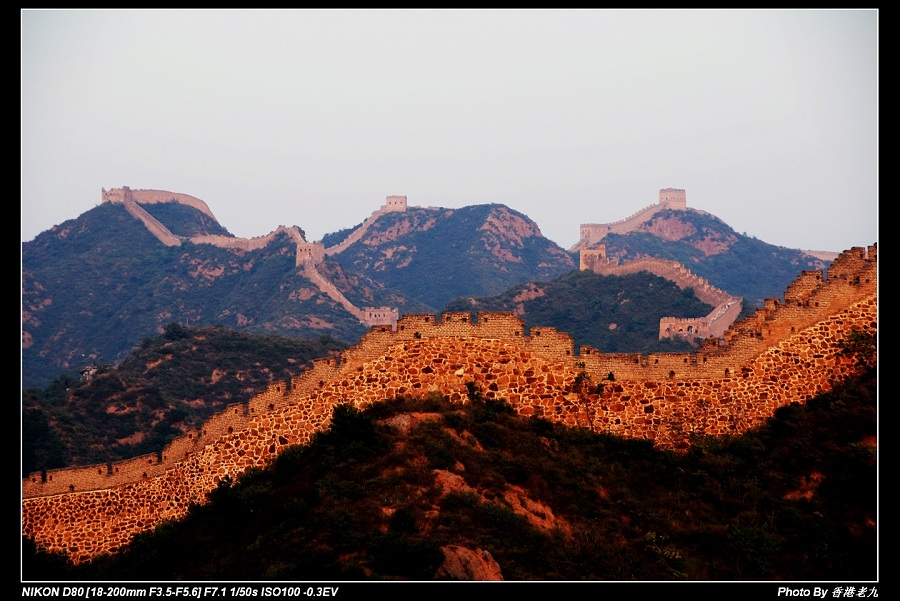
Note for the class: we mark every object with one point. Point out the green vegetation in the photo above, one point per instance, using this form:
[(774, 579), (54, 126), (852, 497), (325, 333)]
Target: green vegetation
[(614, 314), (862, 347), (795, 499), (171, 383)]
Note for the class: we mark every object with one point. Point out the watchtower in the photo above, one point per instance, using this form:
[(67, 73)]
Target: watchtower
[(675, 198), (394, 203)]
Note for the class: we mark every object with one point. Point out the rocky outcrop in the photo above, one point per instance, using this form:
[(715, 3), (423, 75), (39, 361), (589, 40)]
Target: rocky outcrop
[(461, 563)]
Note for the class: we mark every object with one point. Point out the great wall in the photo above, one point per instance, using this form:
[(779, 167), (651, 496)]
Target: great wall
[(593, 257), (309, 255), (592, 233), (788, 351)]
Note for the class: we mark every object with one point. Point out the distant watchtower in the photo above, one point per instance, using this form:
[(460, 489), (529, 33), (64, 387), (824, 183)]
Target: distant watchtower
[(674, 197), (313, 252), (394, 203)]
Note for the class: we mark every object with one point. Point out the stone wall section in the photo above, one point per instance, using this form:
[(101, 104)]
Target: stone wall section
[(154, 196), (592, 233), (305, 249), (153, 225), (392, 204), (670, 270), (132, 199), (549, 342), (369, 316), (803, 287), (312, 274)]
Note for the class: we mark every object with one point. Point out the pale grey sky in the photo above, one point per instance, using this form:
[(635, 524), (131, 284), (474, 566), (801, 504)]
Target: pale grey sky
[(769, 119)]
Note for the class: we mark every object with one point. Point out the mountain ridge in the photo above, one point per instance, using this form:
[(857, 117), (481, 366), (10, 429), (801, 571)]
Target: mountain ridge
[(95, 285)]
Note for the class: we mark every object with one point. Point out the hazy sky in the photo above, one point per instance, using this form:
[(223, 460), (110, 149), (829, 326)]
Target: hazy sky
[(768, 119)]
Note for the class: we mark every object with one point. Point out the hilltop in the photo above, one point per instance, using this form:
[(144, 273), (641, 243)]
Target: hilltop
[(435, 255), (671, 230)]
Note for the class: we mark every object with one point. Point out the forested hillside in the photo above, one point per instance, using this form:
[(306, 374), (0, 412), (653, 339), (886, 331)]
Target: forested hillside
[(169, 384), (93, 287), (614, 314)]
